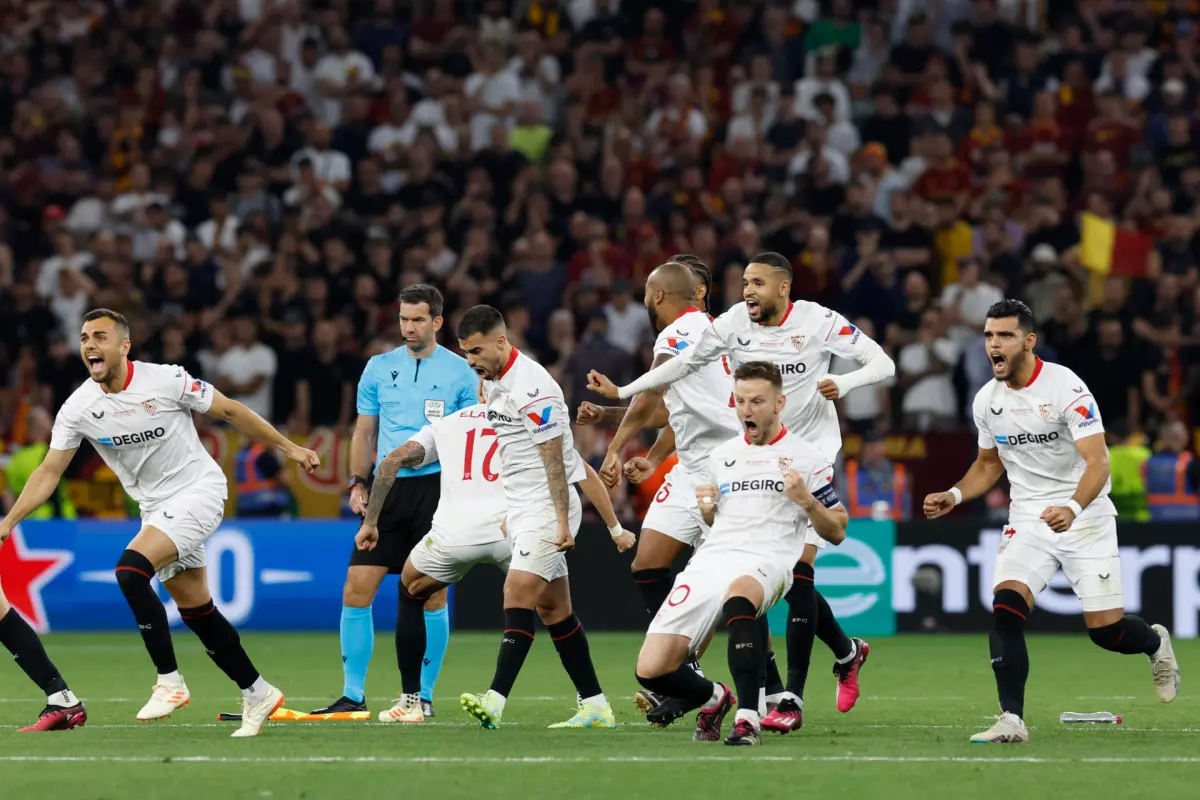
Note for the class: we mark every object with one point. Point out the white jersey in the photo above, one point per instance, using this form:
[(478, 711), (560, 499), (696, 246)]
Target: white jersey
[(471, 506), (525, 407), (753, 514), (144, 432), (1035, 429), (802, 346), (699, 406)]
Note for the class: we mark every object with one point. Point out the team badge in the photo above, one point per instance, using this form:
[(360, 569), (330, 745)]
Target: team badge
[(784, 463), (150, 407), (798, 342), (1044, 411), (435, 410)]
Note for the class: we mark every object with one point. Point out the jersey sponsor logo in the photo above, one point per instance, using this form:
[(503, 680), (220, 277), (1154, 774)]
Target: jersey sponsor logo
[(143, 438), (199, 387), (793, 369), (798, 342), (678, 345), (1021, 439), (752, 485), (1044, 411), (494, 415), (852, 332), (541, 419), (435, 410), (1088, 414), (150, 406)]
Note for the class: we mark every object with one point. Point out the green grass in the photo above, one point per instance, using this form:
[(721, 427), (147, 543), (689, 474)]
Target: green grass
[(923, 697)]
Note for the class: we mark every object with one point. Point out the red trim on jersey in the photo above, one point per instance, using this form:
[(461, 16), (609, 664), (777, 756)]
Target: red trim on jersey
[(512, 359), (689, 310), (782, 431), (1037, 370), (785, 316), (128, 377)]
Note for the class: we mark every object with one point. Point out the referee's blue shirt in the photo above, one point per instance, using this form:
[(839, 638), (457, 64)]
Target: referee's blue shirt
[(407, 394)]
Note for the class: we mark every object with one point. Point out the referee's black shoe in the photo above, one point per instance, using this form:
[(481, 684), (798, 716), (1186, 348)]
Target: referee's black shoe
[(342, 704)]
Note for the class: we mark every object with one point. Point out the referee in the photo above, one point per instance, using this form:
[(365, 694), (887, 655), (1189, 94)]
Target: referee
[(398, 394)]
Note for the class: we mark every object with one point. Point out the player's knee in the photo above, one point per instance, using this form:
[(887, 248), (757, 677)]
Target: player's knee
[(1009, 609), (133, 571)]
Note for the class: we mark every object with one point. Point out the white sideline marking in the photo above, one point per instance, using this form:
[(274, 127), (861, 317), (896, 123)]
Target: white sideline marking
[(381, 699), (680, 759)]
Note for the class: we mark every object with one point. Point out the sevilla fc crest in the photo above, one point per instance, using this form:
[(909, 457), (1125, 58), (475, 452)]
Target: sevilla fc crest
[(1044, 411), (150, 407), (784, 464), (798, 342)]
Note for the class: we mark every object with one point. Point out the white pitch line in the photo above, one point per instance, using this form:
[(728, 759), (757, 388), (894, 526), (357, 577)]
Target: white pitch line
[(688, 759), (382, 699)]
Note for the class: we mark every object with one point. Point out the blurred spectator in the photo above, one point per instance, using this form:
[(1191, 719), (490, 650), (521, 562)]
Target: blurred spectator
[(876, 488), (1173, 477), (26, 459), (244, 371), (925, 368)]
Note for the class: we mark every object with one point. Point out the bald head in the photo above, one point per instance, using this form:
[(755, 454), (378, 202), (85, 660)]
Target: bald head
[(670, 290)]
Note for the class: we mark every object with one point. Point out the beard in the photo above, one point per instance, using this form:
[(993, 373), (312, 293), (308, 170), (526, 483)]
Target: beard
[(656, 323)]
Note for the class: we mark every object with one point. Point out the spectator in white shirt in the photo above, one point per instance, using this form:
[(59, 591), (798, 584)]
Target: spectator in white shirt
[(966, 304), (160, 227), (925, 370), (842, 136), (62, 283), (130, 207), (754, 123), (330, 166), (818, 147), (760, 78), (218, 234), (538, 74), (628, 324), (308, 190), (492, 93), (824, 80), (341, 73), (246, 371)]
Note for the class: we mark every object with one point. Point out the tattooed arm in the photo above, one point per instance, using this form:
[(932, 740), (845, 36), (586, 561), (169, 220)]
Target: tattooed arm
[(556, 475), (409, 454)]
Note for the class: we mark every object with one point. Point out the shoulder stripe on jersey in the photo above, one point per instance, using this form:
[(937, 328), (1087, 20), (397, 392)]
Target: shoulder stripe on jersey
[(545, 399), (1067, 407), (832, 325)]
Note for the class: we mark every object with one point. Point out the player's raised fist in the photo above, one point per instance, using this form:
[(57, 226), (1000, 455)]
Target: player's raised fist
[(638, 470), (588, 414), (1059, 518), (610, 470), (938, 504), (828, 389), (307, 459), (601, 385), (795, 487), (367, 537), (625, 541)]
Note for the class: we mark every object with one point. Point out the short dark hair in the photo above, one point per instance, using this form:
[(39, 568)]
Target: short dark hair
[(1010, 307), (108, 313), (699, 269), (775, 261), (480, 319), (760, 371), (423, 293)]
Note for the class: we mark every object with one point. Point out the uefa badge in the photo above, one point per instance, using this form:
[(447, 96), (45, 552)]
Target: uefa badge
[(798, 342), (784, 463), (1044, 411), (150, 407)]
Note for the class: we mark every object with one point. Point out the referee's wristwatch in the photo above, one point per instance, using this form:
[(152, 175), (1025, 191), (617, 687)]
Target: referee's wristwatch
[(357, 480)]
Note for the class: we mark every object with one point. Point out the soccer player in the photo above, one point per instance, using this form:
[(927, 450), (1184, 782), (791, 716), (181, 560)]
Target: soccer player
[(138, 416), (63, 709), (1038, 423), (764, 489), (539, 465), (467, 530), (800, 338), (398, 394)]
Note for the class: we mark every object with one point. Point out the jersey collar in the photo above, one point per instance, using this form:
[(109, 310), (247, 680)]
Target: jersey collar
[(129, 377), (1037, 370), (782, 432), (512, 359), (785, 316)]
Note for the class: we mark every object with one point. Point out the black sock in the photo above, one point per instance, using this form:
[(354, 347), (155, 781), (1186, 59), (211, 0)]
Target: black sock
[(655, 585), (773, 681), (21, 640), (134, 572), (514, 647), (1010, 656), (830, 631), (221, 642), (683, 684), (803, 616), (747, 650), (410, 641), (1129, 635), (572, 645)]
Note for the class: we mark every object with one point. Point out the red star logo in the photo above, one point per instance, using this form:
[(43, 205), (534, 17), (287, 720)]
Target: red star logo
[(25, 572)]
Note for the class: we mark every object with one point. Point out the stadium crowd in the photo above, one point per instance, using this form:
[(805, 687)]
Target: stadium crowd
[(252, 181)]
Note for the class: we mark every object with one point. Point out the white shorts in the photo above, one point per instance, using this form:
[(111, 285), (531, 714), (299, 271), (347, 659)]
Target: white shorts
[(1031, 553), (532, 532), (812, 537), (693, 607), (450, 563), (675, 511), (188, 519)]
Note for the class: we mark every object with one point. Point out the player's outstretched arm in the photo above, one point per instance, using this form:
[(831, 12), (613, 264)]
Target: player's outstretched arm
[(40, 486), (556, 476), (875, 365), (592, 414), (1094, 452), (408, 455), (251, 424), (643, 411), (707, 350), (980, 478), (597, 492)]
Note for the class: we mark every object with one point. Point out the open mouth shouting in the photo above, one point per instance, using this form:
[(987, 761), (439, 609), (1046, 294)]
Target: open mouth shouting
[(999, 362), (95, 363)]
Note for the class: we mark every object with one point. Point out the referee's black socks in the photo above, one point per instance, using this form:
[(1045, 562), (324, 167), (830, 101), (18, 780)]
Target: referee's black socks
[(27, 650), (134, 572), (221, 642), (801, 627), (514, 647), (747, 650), (1010, 656), (410, 641)]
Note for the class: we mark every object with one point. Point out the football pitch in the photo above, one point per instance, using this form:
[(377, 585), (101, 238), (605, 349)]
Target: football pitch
[(923, 696)]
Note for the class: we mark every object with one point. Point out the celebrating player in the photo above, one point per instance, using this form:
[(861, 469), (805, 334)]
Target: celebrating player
[(467, 530), (764, 489), (1038, 422), (800, 338), (138, 416), (63, 709), (539, 465)]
